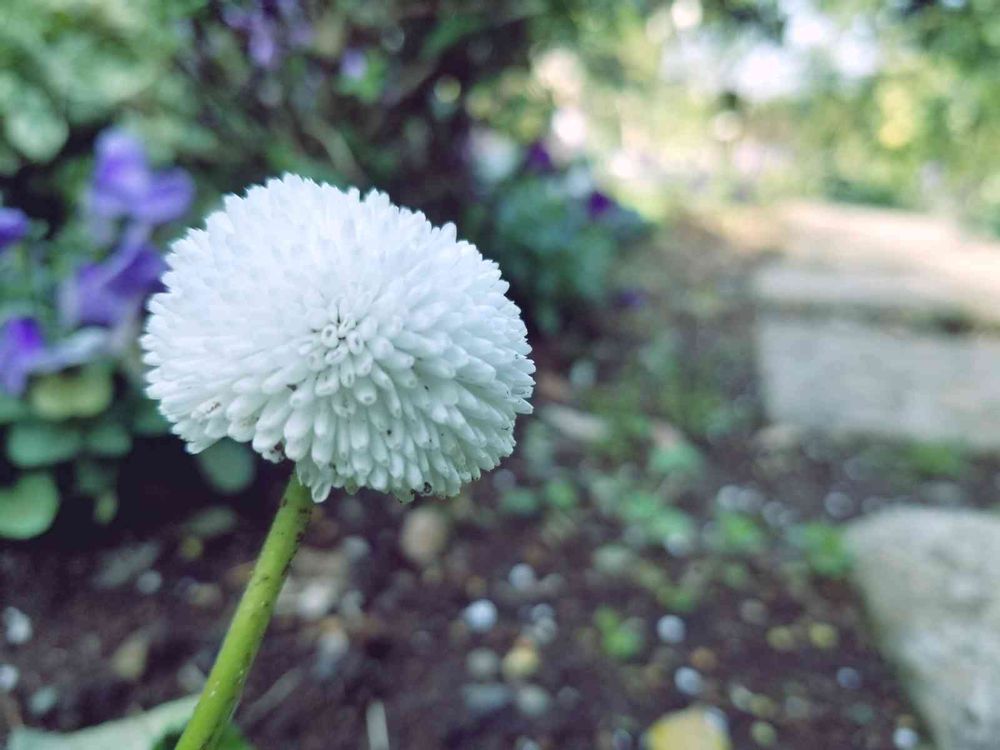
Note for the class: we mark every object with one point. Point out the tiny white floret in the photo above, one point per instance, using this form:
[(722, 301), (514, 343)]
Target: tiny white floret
[(344, 333)]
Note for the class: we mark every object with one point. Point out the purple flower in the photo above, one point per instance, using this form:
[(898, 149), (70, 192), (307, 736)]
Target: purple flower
[(270, 26), (538, 158), (21, 349), (631, 298), (353, 64), (112, 291), (124, 185), (598, 204), (13, 226)]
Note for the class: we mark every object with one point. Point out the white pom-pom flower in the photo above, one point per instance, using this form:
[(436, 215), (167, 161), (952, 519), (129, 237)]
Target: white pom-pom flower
[(351, 336)]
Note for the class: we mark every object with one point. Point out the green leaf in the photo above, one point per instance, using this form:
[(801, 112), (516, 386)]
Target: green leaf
[(147, 420), (34, 127), (560, 494), (824, 549), (228, 466), (11, 409), (86, 393), (739, 533), (106, 508), (680, 459), (138, 732), (519, 502), (94, 478), (29, 507), (33, 444), (108, 438), (448, 32)]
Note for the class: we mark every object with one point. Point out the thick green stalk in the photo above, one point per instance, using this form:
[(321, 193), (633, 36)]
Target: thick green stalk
[(225, 682)]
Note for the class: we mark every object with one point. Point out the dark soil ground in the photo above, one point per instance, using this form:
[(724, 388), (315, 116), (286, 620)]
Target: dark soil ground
[(785, 654)]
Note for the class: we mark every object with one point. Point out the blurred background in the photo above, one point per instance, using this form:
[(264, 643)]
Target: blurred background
[(755, 242)]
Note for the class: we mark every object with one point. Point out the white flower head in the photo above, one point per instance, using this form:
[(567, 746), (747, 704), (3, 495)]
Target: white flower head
[(344, 333)]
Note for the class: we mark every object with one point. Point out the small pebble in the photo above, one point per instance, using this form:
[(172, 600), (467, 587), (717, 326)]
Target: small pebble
[(838, 504), (522, 577), (480, 616), (533, 701), (43, 700), (621, 740), (521, 662), (781, 638), (17, 626), (543, 631), (315, 600), (484, 699), (670, 629), (149, 582), (190, 678), (356, 548), (763, 734), (9, 675), (704, 659), (905, 738), (727, 498), (848, 678), (331, 648), (753, 611), (823, 635), (482, 664), (424, 536), (688, 681)]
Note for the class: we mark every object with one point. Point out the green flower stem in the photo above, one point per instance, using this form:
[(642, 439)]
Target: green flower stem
[(225, 683)]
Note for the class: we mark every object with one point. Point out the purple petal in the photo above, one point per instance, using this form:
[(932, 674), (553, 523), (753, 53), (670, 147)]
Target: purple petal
[(121, 174), (353, 64), (109, 292), (631, 298), (78, 348), (262, 42), (538, 158), (13, 226), (168, 196), (21, 347), (599, 204), (124, 186)]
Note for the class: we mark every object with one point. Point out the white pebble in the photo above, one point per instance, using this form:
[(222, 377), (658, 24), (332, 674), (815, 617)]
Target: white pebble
[(671, 629), (522, 577), (838, 504), (848, 678), (905, 738), (149, 582), (481, 616), (688, 681), (17, 626), (8, 677)]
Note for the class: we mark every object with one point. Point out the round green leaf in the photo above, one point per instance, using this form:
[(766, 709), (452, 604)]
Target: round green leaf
[(94, 478), (34, 128), (228, 466), (147, 420), (11, 409), (106, 508), (86, 393), (33, 444), (109, 439), (29, 507)]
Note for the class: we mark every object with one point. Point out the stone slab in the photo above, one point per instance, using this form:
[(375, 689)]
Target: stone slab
[(883, 323), (931, 581)]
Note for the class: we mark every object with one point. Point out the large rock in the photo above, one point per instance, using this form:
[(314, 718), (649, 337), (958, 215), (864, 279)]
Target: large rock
[(881, 322), (931, 579)]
